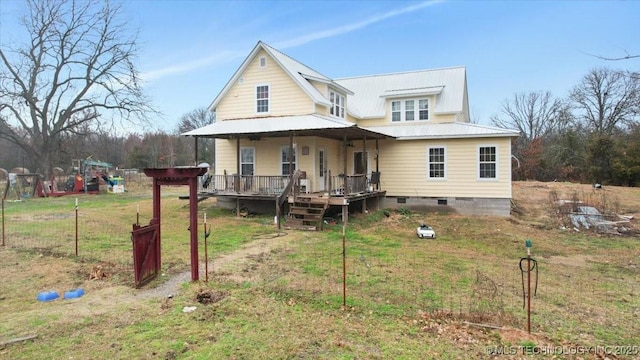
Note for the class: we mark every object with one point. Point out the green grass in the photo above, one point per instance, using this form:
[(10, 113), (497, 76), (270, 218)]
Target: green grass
[(287, 303)]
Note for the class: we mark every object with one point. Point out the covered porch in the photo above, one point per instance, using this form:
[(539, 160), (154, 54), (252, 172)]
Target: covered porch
[(285, 159)]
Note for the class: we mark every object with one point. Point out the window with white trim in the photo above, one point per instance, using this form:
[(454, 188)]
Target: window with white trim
[(337, 104), (247, 161), (409, 110), (487, 162), (284, 160), (262, 98), (436, 162)]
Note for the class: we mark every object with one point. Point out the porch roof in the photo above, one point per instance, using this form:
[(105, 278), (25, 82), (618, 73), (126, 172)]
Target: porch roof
[(284, 126), (453, 130)]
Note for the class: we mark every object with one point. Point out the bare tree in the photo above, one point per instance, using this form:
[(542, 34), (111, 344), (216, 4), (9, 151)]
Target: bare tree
[(75, 69), (534, 114), (607, 99), (196, 119)]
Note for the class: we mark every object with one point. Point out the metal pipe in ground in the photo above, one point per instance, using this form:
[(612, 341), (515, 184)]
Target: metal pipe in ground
[(345, 212), (528, 291), (206, 255), (3, 244), (76, 226)]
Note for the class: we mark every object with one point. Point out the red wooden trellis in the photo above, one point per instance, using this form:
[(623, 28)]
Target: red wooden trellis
[(169, 176)]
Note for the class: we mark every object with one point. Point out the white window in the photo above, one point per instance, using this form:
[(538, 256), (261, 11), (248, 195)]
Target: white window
[(423, 105), (337, 104), (436, 163), (247, 161), (262, 98), (262, 62), (409, 114), (284, 160), (409, 110), (487, 162), (396, 114)]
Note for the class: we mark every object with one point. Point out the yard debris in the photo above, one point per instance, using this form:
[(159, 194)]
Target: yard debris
[(206, 296), (97, 273), (3, 344), (188, 309), (580, 216)]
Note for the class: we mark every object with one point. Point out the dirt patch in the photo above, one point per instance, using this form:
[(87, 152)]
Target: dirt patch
[(253, 250), (573, 260), (209, 296)]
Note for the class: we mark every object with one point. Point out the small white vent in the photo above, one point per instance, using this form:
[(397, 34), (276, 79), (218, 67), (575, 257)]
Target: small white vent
[(263, 62)]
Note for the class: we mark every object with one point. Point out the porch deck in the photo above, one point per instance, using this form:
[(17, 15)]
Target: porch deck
[(267, 187)]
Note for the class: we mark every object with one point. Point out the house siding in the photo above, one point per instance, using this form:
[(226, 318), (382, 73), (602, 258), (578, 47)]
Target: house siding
[(286, 97), (404, 169)]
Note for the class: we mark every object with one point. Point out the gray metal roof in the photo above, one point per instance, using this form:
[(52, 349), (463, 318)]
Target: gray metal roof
[(299, 125), (368, 100), (442, 131)]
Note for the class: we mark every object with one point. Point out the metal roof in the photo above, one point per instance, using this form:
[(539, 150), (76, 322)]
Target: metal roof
[(368, 100), (284, 126), (453, 130)]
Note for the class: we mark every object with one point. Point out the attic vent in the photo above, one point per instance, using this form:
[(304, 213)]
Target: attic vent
[(263, 62)]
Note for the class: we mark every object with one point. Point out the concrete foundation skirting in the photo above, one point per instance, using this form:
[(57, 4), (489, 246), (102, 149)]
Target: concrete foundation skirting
[(464, 206)]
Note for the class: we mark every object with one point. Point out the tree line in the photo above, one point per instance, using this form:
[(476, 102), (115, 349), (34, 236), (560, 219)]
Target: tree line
[(73, 79), (591, 135), (131, 151)]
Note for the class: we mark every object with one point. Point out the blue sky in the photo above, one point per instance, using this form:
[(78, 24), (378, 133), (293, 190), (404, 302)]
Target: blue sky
[(189, 49)]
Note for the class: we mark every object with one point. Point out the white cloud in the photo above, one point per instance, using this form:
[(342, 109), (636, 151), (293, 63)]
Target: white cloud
[(301, 40), (227, 55), (218, 57)]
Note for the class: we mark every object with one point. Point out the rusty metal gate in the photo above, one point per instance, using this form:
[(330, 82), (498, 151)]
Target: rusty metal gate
[(146, 252)]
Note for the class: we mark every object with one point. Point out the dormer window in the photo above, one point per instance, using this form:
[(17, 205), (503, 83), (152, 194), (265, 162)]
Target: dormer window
[(337, 104), (409, 110), (262, 62)]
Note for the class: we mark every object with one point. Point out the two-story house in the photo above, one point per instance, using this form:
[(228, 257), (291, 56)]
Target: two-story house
[(402, 139)]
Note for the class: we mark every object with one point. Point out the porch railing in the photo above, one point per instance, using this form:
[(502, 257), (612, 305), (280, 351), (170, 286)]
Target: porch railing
[(348, 185), (272, 185), (247, 184)]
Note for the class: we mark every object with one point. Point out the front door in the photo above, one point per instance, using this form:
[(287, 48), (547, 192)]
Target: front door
[(322, 169)]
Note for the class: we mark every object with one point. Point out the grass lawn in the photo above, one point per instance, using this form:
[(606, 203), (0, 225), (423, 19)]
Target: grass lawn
[(280, 296)]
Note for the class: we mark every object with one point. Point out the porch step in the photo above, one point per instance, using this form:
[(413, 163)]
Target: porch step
[(299, 224), (306, 213)]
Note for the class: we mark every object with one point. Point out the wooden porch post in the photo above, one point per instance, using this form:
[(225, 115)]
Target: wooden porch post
[(378, 171), (196, 147), (237, 177), (344, 164), (290, 156), (364, 166)]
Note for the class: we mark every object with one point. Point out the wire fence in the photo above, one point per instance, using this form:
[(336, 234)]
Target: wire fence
[(389, 276), (64, 228)]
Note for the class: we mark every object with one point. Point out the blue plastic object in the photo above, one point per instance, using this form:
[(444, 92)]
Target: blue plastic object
[(73, 294), (48, 296)]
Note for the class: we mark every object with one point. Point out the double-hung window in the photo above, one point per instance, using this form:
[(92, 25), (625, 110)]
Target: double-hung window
[(262, 98), (487, 162), (409, 110), (284, 160), (436, 162), (337, 104), (247, 160)]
